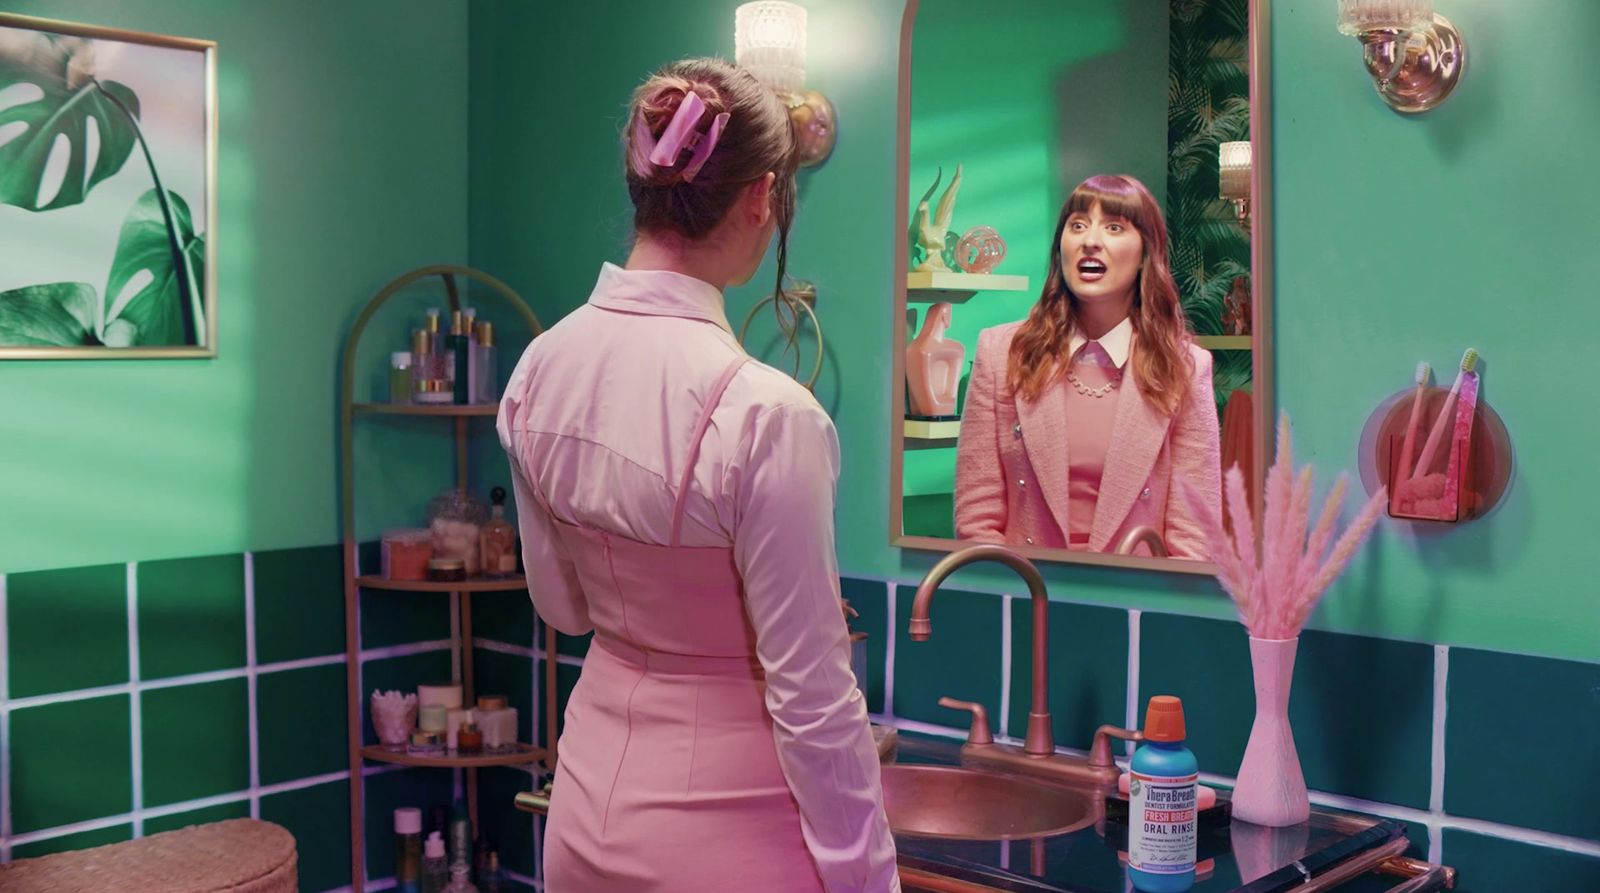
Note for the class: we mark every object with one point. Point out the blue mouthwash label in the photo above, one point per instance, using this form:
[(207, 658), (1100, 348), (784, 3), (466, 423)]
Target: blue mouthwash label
[(1161, 823)]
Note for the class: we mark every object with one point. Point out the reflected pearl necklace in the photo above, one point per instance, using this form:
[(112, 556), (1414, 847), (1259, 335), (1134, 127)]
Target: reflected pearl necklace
[(1087, 391)]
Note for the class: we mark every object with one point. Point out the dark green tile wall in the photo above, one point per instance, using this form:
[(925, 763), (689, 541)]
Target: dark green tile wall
[(1545, 711), (319, 819), (239, 809), (504, 617), (301, 723), (299, 599), (1361, 708), (870, 600), (81, 841), (401, 618), (67, 629), (959, 660), (1494, 865), (1088, 670), (507, 829), (195, 741), (191, 615), (70, 762)]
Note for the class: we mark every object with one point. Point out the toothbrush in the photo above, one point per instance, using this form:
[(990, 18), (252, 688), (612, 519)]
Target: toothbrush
[(1468, 360), (1409, 450), (1459, 439)]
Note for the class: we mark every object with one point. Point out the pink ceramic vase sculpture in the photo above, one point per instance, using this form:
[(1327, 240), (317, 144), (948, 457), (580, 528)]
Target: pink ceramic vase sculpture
[(1271, 790)]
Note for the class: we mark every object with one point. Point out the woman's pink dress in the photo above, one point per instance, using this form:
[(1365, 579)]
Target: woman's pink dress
[(715, 739)]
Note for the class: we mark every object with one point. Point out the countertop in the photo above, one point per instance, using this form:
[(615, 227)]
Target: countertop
[(1234, 855)]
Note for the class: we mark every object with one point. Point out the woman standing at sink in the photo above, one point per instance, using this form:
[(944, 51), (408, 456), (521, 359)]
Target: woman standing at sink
[(676, 497), (1081, 418)]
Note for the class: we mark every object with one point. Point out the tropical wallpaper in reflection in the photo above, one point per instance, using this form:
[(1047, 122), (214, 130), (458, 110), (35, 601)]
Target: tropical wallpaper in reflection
[(1208, 102)]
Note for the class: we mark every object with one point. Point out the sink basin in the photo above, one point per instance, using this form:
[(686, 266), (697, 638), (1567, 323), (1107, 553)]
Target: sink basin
[(961, 804)]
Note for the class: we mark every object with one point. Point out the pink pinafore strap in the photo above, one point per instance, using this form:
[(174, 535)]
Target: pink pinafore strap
[(704, 422)]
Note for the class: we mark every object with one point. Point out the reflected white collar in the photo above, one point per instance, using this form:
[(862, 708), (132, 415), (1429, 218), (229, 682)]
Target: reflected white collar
[(1116, 343)]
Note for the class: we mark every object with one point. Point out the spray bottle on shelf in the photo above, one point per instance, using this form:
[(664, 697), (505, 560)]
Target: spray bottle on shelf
[(1162, 814)]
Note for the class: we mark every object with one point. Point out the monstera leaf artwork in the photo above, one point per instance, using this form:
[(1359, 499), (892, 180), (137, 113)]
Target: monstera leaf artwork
[(71, 116), (69, 98)]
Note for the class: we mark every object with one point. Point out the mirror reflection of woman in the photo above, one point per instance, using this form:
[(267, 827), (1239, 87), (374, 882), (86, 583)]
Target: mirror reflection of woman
[(1081, 418)]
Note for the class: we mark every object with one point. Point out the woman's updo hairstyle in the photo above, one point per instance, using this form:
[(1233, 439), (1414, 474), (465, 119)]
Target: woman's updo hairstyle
[(758, 138)]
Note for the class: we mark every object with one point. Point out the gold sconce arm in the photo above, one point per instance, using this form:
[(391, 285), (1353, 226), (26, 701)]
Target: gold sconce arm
[(1414, 71)]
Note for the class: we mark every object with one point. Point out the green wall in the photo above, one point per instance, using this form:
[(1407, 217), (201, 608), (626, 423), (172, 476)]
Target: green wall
[(1397, 240), (1030, 103), (342, 163)]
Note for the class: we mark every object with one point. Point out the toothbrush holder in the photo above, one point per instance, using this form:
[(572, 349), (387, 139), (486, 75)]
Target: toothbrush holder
[(1465, 477)]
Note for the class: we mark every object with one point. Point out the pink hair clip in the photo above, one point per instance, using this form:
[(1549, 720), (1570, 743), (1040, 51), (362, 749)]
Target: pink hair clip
[(680, 133)]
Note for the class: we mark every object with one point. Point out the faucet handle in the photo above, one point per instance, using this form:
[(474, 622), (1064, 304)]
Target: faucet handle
[(1100, 748), (979, 732)]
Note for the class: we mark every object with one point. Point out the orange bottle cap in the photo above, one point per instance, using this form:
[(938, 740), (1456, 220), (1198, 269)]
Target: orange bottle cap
[(1163, 721)]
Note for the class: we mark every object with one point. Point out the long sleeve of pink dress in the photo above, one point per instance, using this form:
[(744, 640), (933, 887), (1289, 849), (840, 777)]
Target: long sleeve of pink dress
[(599, 417)]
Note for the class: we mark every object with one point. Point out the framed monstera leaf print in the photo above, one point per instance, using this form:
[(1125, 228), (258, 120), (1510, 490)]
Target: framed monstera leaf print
[(108, 148)]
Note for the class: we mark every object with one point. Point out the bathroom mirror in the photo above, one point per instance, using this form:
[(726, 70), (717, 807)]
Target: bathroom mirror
[(1070, 452)]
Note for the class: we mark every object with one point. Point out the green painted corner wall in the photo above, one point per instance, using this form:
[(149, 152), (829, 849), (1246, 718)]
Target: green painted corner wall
[(1396, 240), (342, 163)]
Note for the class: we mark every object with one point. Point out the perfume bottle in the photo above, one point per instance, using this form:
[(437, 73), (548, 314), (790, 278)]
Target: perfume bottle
[(485, 378), (428, 384), (459, 357), (439, 339), (498, 539)]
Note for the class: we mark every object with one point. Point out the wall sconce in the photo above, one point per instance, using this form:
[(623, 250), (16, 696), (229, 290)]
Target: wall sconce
[(1414, 55), (769, 38), (1233, 177)]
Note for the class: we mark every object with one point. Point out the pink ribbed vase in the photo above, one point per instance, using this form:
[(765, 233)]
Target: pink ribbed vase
[(1271, 790)]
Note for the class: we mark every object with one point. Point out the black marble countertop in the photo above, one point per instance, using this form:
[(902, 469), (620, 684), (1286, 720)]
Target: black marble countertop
[(1234, 855)]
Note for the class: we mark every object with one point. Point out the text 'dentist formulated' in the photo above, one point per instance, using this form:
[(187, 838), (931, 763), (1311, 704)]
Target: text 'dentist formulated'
[(1161, 823)]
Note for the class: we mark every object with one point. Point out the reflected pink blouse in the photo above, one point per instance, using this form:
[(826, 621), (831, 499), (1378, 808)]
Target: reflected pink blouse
[(1090, 419)]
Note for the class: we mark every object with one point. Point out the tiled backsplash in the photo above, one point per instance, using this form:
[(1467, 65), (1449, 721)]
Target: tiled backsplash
[(1377, 722), (139, 698), (222, 679)]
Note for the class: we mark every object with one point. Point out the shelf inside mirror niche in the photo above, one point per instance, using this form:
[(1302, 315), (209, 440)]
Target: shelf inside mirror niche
[(1224, 342), (921, 434), (928, 288)]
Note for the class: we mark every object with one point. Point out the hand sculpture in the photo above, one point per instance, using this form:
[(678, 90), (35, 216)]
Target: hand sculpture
[(929, 235)]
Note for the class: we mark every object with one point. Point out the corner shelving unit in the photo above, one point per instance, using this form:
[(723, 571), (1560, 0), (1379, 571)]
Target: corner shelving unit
[(460, 593)]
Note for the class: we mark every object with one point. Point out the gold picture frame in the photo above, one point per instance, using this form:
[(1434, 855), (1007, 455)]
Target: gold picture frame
[(116, 108)]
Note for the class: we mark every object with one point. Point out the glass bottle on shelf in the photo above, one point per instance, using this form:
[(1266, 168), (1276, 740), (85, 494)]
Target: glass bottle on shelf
[(427, 381), (498, 539), (485, 372), (455, 519)]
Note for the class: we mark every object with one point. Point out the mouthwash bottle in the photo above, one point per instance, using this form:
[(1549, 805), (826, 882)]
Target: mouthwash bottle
[(1162, 814)]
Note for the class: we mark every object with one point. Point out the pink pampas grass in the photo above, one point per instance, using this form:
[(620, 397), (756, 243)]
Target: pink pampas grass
[(1276, 590)]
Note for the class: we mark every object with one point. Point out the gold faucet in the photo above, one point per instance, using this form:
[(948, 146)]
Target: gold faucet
[(1146, 534), (1037, 755)]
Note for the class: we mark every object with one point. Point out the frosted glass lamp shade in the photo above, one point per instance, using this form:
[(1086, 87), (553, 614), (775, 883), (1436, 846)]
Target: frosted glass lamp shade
[(769, 38), (1233, 170), (1360, 16)]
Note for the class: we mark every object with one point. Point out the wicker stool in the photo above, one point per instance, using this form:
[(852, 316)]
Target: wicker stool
[(235, 856)]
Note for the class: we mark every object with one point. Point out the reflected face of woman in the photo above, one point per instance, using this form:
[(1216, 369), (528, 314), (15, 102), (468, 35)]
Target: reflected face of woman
[(1101, 255)]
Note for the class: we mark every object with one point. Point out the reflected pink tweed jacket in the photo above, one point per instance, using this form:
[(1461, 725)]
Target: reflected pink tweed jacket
[(1011, 465)]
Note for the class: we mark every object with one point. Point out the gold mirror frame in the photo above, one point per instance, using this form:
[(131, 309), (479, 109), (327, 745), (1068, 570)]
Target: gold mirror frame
[(1260, 304)]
